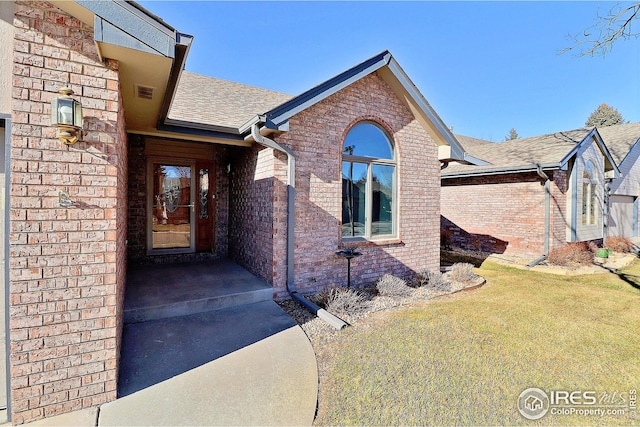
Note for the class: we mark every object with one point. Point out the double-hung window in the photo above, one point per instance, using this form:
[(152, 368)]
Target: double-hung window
[(368, 183)]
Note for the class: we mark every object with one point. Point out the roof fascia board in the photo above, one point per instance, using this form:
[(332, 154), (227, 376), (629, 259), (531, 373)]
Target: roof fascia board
[(182, 47), (172, 123), (190, 130), (106, 32), (605, 151), (425, 108), (501, 171), (283, 112), (629, 152), (474, 160), (593, 135), (132, 23), (189, 137)]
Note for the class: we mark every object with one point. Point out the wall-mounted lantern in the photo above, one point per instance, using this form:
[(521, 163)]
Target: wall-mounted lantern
[(66, 115)]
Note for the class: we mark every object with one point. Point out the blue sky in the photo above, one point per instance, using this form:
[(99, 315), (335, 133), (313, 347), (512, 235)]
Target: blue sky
[(484, 66)]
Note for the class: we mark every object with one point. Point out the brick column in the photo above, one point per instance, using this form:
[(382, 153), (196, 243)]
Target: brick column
[(67, 264)]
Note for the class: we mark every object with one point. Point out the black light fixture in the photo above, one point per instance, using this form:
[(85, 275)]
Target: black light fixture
[(66, 115)]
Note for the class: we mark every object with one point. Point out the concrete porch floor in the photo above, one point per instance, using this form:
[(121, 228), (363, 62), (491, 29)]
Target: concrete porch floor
[(169, 290), (180, 316)]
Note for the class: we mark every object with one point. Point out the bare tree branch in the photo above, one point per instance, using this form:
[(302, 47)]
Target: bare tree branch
[(617, 24)]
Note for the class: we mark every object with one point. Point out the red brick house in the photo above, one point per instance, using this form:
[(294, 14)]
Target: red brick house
[(171, 167), (542, 192)]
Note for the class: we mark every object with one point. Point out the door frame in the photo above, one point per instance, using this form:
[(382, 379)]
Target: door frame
[(151, 160)]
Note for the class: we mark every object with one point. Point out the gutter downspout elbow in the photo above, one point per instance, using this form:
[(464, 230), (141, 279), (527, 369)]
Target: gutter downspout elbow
[(547, 216), (291, 193)]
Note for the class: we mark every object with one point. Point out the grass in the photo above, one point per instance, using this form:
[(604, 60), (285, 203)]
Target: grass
[(464, 359)]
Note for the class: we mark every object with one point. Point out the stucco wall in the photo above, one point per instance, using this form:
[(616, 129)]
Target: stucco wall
[(67, 262)]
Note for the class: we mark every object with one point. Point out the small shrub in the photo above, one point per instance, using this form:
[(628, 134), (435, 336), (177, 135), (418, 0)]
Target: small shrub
[(619, 244), (392, 286), (346, 301), (462, 272), (571, 254), (430, 278), (322, 297)]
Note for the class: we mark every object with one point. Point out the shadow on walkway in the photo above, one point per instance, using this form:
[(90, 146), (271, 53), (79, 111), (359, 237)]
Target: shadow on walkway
[(157, 350)]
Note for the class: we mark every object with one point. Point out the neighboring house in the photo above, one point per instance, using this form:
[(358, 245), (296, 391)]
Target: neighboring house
[(622, 141), (172, 166), (534, 195), (506, 210)]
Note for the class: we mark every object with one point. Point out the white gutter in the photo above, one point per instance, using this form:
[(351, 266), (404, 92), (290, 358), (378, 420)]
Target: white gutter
[(502, 170)]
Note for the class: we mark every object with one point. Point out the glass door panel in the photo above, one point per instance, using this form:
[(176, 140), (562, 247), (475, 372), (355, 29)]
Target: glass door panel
[(173, 207)]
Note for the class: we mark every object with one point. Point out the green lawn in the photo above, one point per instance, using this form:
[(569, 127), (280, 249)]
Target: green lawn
[(464, 359)]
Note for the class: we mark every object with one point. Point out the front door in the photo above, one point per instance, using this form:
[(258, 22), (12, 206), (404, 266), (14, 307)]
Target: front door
[(171, 196)]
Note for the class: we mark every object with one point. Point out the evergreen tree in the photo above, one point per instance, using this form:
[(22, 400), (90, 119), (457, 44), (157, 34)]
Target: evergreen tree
[(513, 134), (604, 115)]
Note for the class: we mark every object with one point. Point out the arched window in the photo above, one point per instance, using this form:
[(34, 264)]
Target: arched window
[(368, 183), (589, 194)]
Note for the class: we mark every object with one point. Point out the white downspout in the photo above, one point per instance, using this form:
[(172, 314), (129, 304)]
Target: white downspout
[(291, 192)]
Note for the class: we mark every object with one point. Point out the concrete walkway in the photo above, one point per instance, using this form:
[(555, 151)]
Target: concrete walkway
[(271, 381)]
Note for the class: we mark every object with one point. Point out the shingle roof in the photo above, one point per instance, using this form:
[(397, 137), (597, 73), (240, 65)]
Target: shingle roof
[(545, 149), (620, 139), (210, 101)]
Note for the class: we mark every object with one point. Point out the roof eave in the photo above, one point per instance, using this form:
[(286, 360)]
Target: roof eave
[(282, 113), (503, 170), (610, 164)]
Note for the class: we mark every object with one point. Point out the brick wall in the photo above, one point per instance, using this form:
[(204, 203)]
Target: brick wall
[(137, 222), (316, 136), (251, 210), (66, 264), (503, 213)]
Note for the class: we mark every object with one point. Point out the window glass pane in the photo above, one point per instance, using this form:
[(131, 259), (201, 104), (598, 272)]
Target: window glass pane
[(594, 204), (368, 140), (585, 203), (382, 200), (589, 170), (354, 190), (171, 206)]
